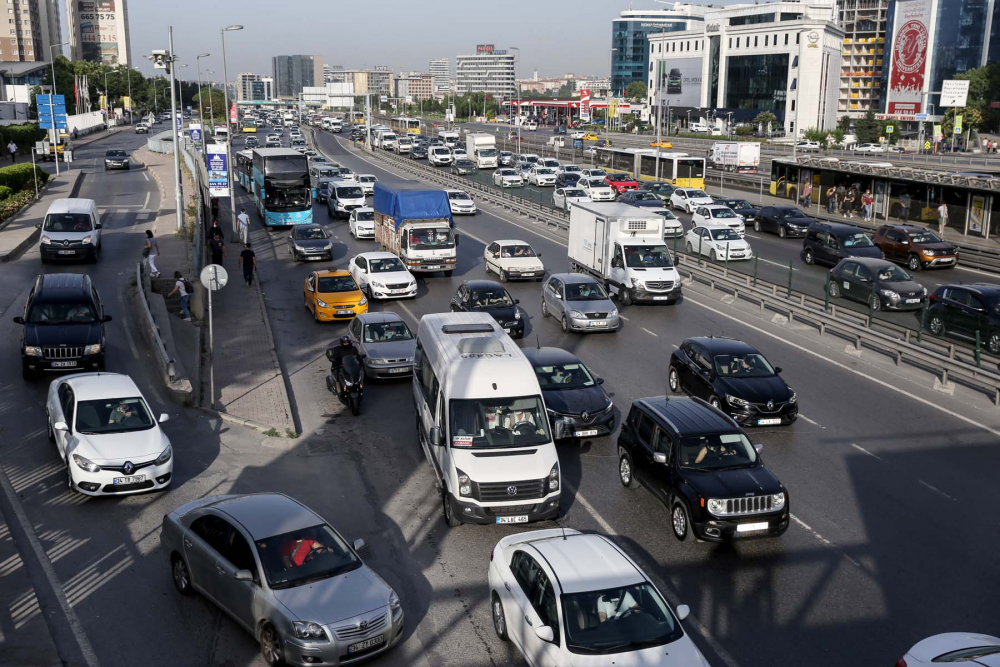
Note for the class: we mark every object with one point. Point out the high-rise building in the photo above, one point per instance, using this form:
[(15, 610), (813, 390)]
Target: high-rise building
[(417, 86), (440, 69), (489, 71), (98, 31), (244, 85), (629, 32), (994, 50), (293, 73), (864, 23), (376, 81), (34, 27), (262, 90)]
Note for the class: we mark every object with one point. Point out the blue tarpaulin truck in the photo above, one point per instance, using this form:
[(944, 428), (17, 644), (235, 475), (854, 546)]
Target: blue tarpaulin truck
[(417, 227)]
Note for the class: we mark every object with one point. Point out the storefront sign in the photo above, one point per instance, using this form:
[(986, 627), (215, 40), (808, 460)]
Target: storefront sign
[(712, 27), (218, 170), (585, 105)]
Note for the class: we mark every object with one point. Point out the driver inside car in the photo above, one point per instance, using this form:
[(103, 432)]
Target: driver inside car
[(294, 552)]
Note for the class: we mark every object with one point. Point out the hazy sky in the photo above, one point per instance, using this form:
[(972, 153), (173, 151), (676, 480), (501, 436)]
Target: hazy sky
[(554, 37)]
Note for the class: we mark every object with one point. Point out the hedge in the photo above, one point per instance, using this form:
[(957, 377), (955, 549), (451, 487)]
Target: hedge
[(5, 192), (18, 176), (24, 136)]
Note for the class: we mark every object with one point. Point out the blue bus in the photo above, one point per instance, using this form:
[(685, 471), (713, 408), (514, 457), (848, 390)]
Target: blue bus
[(243, 166), (281, 188)]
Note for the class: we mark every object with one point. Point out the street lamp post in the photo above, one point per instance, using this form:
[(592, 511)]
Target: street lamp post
[(229, 139), (175, 131), (55, 127), (611, 92), (517, 69), (211, 105), (201, 100)]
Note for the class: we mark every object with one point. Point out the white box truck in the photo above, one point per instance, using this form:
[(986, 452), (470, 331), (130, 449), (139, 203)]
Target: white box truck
[(623, 246), (449, 137), (739, 156), (481, 147)]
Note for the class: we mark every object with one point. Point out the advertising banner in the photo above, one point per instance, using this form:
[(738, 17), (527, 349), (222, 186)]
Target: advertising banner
[(909, 56), (977, 213), (679, 82), (97, 25), (218, 170), (232, 114), (195, 129), (958, 124), (585, 105)]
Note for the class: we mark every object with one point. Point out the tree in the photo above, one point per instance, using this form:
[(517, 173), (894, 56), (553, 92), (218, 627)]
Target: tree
[(868, 128), (568, 89), (971, 118), (844, 123), (636, 92)]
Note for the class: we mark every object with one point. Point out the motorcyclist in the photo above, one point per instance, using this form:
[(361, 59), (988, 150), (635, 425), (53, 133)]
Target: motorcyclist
[(339, 353)]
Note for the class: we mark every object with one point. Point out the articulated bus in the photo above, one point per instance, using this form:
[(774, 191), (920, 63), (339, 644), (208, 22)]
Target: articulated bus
[(248, 125), (680, 169), (243, 166), (281, 189), (404, 125)]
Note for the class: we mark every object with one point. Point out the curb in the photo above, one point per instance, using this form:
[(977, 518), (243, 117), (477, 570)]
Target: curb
[(233, 419)]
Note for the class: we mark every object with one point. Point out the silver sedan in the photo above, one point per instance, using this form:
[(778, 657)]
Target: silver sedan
[(284, 574), (579, 302), (386, 342)]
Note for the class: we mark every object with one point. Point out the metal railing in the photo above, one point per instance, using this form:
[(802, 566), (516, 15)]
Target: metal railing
[(148, 324)]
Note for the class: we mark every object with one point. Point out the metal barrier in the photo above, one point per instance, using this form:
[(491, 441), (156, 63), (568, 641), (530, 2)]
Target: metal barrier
[(163, 143), (148, 325)]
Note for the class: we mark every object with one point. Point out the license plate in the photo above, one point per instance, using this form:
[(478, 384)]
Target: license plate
[(63, 364), (345, 312), (401, 369), (768, 422), (368, 643), (506, 330), (751, 527), (397, 291), (520, 518), (660, 298), (435, 267), (67, 252), (584, 434), (913, 301), (134, 479), (597, 324)]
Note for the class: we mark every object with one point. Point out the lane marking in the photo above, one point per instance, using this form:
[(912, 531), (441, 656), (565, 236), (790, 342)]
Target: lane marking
[(865, 451), (145, 204), (145, 175), (649, 332), (784, 266), (623, 317), (802, 416), (937, 490)]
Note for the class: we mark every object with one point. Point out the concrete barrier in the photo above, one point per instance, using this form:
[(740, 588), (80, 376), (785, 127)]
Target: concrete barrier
[(162, 142), (150, 312)]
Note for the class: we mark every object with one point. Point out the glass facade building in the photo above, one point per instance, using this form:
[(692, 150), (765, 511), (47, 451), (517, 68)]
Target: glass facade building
[(959, 38), (757, 82), (629, 32)]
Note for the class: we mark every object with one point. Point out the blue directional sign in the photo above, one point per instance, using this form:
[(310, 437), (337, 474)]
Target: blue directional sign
[(44, 99), (45, 123)]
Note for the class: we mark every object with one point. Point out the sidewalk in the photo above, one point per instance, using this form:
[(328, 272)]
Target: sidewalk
[(19, 232)]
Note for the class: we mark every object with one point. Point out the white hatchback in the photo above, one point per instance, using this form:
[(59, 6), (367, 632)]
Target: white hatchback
[(719, 242), (718, 214), (367, 183), (106, 436), (361, 223), (565, 598), (461, 203), (564, 198), (381, 275), (596, 188), (687, 199)]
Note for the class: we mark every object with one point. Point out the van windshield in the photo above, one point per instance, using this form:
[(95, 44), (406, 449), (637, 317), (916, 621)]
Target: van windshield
[(498, 422), (68, 222), (857, 241)]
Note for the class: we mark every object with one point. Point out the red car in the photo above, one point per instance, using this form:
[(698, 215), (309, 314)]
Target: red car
[(621, 183)]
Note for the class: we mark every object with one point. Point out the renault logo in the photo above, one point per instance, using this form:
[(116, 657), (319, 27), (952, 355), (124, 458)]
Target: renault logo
[(585, 416), (770, 405), (128, 468), (512, 490)]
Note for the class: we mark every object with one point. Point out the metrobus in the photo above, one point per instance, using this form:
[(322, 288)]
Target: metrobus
[(357, 117), (910, 193), (248, 124), (680, 169), (243, 166), (405, 125), (281, 189)]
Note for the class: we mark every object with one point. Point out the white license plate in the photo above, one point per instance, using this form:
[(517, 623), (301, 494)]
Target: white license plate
[(433, 268), (768, 422), (402, 369), (660, 298), (751, 527), (345, 312), (506, 330), (520, 518), (597, 324), (368, 643), (63, 364), (67, 252), (913, 301), (585, 433), (134, 479)]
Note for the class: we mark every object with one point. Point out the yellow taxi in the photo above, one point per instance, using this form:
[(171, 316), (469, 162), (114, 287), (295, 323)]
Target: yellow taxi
[(332, 296), (663, 144), (590, 136)]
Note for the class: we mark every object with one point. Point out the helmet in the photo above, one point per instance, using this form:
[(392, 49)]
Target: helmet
[(345, 340)]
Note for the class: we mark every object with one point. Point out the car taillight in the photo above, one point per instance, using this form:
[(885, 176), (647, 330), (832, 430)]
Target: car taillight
[(932, 298), (900, 663)]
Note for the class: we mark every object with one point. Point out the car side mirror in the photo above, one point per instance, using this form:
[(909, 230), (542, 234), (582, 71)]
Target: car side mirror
[(659, 457), (599, 380), (545, 633), (538, 255), (106, 318), (243, 575), (98, 226), (435, 436), (164, 417), (777, 369), (18, 320), (359, 544), (759, 447), (683, 611), (60, 426), (516, 301)]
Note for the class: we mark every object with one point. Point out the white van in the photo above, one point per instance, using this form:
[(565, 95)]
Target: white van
[(698, 128), (71, 230), (482, 423)]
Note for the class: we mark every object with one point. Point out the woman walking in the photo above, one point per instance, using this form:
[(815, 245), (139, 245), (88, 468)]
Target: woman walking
[(866, 203), (150, 251)]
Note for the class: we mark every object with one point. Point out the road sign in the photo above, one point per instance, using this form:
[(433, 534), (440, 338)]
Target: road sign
[(958, 123), (214, 277), (45, 122), (889, 129), (46, 109), (44, 99), (921, 116), (927, 145), (830, 138), (954, 93)]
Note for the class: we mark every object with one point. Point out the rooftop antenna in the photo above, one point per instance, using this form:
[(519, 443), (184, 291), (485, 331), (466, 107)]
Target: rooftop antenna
[(563, 531), (538, 345)]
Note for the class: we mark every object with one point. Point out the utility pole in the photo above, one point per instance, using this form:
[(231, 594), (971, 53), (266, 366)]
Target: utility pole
[(175, 130), (607, 106), (229, 129), (201, 100)]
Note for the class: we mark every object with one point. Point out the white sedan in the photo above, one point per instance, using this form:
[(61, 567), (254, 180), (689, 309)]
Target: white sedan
[(507, 178), (719, 242), (611, 613), (721, 215), (596, 188), (105, 434), (966, 648), (361, 222), (542, 176), (461, 203), (569, 169), (381, 275), (687, 199), (672, 227), (868, 148), (576, 134), (564, 198), (513, 260), (367, 183)]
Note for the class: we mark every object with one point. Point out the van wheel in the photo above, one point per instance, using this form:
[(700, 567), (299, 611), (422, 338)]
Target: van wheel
[(913, 263), (625, 294), (625, 470), (807, 257), (447, 274), (834, 290), (936, 325), (449, 516), (679, 521)]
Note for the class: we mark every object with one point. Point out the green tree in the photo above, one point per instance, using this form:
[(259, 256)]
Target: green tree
[(568, 89), (765, 117), (972, 118), (868, 128), (636, 92), (844, 123)]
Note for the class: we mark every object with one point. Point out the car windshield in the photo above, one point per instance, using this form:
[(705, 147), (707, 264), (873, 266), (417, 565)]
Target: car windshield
[(564, 376), (464, 163), (739, 205), (328, 284), (619, 177), (666, 213), (725, 235), (791, 213), (367, 179), (519, 250), (112, 415), (116, 154), (386, 265), (498, 422), (571, 168), (892, 274), (544, 170), (618, 619), (67, 222), (722, 213), (364, 216), (858, 240), (750, 365), (648, 256), (596, 183), (431, 238), (598, 172), (350, 193), (487, 299), (717, 451), (384, 332), (304, 556), (645, 196), (62, 313), (924, 237), (585, 292), (696, 193), (310, 233), (575, 193)]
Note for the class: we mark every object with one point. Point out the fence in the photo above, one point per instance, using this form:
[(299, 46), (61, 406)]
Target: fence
[(85, 123), (162, 142)]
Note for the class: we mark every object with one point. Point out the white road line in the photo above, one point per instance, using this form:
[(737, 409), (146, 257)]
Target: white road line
[(784, 266), (937, 490), (145, 175), (649, 332), (623, 317), (982, 273), (862, 449), (811, 531), (802, 416), (145, 204)]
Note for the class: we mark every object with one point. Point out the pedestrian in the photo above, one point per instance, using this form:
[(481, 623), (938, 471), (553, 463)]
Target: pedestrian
[(841, 194), (866, 204), (182, 288), (151, 251), (849, 202), (807, 194), (942, 217), (904, 212), (12, 148), (244, 224), (213, 230), (215, 207), (218, 248), (248, 260)]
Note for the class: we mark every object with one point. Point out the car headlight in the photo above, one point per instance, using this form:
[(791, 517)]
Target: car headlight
[(716, 506), (636, 283), (92, 349), (164, 456), (554, 477), (377, 362), (613, 314), (308, 630), (363, 302), (86, 464), (300, 248), (517, 314), (394, 604), (929, 253), (321, 303), (377, 284), (736, 401), (889, 293), (778, 500), (32, 351), (86, 239), (925, 291), (464, 484), (576, 313), (46, 240)]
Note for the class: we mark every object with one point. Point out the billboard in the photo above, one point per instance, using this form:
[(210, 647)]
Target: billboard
[(97, 29), (908, 66), (679, 82), (585, 105), (218, 170)]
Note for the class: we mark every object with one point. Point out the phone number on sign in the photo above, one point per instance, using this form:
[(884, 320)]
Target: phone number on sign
[(98, 17)]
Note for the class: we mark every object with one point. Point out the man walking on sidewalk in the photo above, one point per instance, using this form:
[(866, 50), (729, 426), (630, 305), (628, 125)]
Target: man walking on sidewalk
[(12, 149), (942, 217), (181, 287), (218, 248), (244, 224), (248, 260)]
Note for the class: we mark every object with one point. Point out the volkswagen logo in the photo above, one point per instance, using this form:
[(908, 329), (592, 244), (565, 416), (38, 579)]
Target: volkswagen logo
[(585, 416), (770, 405), (511, 490), (128, 468)]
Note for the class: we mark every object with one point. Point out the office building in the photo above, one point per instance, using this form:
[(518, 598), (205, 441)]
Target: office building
[(262, 90), (417, 86), (32, 25), (864, 24), (244, 85), (440, 69), (336, 95), (293, 73), (377, 81), (629, 33), (98, 31), (993, 53), (489, 71), (782, 57)]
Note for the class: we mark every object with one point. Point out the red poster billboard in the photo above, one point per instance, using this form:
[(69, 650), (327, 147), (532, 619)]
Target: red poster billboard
[(585, 105), (909, 56)]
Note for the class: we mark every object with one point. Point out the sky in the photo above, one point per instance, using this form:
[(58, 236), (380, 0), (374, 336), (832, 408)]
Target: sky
[(554, 37)]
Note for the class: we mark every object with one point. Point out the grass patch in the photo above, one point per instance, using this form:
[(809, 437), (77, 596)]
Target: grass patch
[(290, 434), (272, 433)]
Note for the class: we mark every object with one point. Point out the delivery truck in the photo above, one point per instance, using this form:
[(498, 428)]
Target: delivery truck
[(417, 227), (739, 156), (623, 246), (481, 147)]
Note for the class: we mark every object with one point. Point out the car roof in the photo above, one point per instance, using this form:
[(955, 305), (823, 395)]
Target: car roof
[(574, 278), (375, 254), (980, 288), (268, 514), (713, 225), (71, 205), (907, 228), (838, 227), (722, 345), (871, 262), (484, 284), (331, 273), (547, 356), (587, 562), (380, 317), (511, 242), (689, 416), (311, 225), (56, 286), (94, 386), (714, 206)]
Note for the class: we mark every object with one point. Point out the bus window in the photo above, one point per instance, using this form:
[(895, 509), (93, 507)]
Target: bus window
[(623, 161)]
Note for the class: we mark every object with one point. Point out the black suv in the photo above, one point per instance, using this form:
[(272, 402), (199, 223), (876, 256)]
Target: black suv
[(63, 326), (699, 463), (829, 242), (488, 296), (962, 310)]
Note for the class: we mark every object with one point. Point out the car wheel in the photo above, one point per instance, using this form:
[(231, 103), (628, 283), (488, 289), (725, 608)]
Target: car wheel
[(315, 312), (713, 256), (503, 276), (807, 257), (625, 470), (270, 646), (449, 516), (674, 380), (565, 324), (993, 342), (875, 302), (329, 212), (781, 232), (936, 325), (679, 521), (305, 302), (181, 576), (545, 309), (499, 620), (834, 290), (913, 263), (69, 478), (690, 250), (756, 225), (27, 373), (370, 294)]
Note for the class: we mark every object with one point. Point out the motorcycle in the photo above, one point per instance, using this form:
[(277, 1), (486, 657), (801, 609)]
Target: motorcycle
[(347, 381)]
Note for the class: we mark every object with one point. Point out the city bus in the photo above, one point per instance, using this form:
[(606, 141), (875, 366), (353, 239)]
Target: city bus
[(680, 169), (911, 194), (357, 117), (243, 166), (404, 125), (281, 190), (248, 125)]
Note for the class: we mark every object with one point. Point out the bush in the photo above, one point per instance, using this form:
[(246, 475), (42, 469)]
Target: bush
[(745, 131), (18, 176), (24, 136), (15, 203), (5, 192)]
